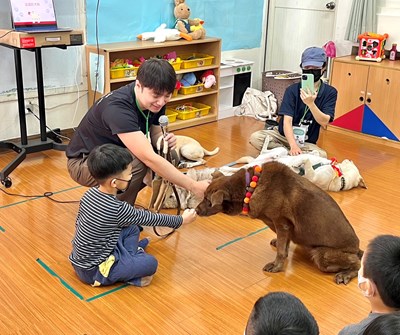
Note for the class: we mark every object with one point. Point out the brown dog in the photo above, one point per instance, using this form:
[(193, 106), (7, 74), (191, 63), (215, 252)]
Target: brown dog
[(296, 210)]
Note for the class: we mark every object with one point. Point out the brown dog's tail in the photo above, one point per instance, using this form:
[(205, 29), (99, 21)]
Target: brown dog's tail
[(360, 253), (212, 152)]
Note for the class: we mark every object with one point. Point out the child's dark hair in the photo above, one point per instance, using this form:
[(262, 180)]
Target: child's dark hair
[(281, 313), (108, 160), (381, 264), (158, 75), (385, 324)]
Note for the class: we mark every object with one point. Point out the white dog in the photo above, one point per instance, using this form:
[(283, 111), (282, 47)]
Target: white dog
[(325, 173)]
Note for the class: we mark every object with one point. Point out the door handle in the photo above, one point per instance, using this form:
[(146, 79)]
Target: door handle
[(331, 5)]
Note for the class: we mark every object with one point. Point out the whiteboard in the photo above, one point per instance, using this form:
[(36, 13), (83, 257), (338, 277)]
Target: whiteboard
[(61, 67)]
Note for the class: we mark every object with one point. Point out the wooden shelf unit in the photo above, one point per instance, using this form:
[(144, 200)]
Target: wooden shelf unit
[(133, 50)]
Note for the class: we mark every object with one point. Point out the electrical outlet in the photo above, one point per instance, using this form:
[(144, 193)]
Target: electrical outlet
[(28, 107)]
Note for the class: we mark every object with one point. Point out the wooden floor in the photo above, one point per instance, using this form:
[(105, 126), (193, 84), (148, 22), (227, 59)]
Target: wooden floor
[(210, 272)]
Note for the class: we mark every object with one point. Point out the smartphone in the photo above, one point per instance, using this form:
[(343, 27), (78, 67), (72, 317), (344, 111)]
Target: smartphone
[(307, 82)]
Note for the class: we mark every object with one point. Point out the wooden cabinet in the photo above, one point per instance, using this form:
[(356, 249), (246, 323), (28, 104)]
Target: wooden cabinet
[(134, 50), (368, 98)]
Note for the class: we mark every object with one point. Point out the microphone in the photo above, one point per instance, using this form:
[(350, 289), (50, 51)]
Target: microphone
[(163, 121)]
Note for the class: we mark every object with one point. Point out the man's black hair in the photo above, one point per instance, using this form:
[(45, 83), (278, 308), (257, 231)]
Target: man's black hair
[(158, 75), (108, 160)]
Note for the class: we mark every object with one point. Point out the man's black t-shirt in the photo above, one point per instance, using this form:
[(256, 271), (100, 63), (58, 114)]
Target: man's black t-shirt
[(115, 113)]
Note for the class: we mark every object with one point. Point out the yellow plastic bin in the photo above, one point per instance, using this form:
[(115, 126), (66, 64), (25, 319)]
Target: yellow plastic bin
[(203, 108), (191, 89), (171, 115), (176, 65), (123, 72), (184, 111), (192, 60)]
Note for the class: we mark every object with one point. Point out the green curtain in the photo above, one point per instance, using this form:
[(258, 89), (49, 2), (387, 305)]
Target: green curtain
[(362, 19)]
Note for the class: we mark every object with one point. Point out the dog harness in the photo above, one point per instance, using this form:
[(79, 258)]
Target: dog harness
[(250, 187)]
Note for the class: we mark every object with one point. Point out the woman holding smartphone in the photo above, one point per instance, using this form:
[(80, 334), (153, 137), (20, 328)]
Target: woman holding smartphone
[(306, 107)]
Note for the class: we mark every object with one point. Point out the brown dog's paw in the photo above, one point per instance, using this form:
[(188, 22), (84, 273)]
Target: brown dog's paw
[(345, 277), (271, 267), (273, 242)]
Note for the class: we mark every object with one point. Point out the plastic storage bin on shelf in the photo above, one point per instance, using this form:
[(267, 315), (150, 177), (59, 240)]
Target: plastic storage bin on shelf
[(171, 115), (123, 72), (191, 89), (185, 111), (176, 65), (202, 109), (193, 60)]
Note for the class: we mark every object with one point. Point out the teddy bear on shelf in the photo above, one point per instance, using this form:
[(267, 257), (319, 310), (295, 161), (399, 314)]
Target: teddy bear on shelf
[(183, 22), (162, 34)]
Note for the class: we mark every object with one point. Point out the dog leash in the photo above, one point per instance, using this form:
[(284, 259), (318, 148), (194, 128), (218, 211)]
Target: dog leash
[(165, 152)]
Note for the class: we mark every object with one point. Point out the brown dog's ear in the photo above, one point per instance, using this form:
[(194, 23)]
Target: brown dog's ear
[(217, 198)]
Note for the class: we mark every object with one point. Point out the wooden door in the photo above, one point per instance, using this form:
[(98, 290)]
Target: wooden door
[(350, 80), (383, 96)]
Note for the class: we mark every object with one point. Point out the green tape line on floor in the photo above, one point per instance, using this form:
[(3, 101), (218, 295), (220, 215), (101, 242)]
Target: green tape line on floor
[(63, 282), (241, 238)]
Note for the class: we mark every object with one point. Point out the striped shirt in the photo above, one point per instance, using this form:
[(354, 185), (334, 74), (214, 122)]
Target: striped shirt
[(100, 220)]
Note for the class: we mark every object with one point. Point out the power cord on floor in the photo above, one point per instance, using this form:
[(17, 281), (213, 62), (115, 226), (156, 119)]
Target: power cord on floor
[(47, 195), (57, 135)]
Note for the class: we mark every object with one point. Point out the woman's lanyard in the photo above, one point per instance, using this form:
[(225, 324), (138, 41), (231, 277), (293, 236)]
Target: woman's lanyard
[(146, 117), (306, 109)]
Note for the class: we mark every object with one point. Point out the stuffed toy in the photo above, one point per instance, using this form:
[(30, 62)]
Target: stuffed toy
[(183, 22), (199, 26), (188, 79), (162, 34), (208, 79)]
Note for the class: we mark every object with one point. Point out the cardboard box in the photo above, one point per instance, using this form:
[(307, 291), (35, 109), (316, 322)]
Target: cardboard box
[(29, 41)]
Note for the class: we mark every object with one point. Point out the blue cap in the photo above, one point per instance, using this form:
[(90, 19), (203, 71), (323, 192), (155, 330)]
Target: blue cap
[(313, 57)]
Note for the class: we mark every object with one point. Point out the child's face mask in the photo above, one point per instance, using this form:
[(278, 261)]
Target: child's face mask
[(368, 290)]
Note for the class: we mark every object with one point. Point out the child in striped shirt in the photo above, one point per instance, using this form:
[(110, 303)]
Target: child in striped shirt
[(106, 248)]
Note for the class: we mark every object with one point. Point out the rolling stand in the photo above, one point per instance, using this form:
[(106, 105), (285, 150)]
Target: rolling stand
[(44, 143)]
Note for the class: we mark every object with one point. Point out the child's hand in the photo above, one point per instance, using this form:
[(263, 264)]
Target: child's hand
[(189, 215)]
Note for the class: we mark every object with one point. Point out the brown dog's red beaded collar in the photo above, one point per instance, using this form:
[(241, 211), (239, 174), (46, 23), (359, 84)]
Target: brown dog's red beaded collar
[(250, 187)]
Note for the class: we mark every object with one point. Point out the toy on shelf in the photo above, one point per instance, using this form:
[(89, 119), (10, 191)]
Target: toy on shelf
[(183, 21), (162, 34), (188, 79), (372, 47), (208, 79), (198, 25)]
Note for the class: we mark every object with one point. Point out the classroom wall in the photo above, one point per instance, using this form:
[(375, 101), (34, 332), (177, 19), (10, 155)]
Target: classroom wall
[(67, 102)]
